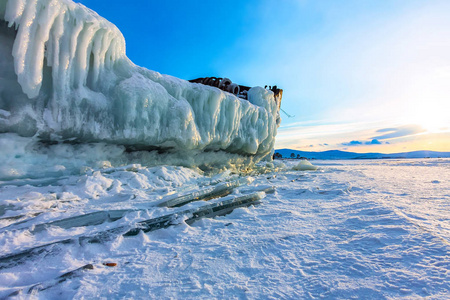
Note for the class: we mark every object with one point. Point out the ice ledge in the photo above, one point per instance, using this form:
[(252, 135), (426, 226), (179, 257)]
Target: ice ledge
[(65, 77)]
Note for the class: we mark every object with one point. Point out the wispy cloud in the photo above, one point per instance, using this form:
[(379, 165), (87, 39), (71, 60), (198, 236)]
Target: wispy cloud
[(365, 137), (402, 131)]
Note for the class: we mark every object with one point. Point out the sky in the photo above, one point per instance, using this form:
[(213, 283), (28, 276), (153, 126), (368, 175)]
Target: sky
[(357, 75)]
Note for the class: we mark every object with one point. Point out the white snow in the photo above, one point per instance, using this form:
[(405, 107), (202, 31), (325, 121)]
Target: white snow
[(374, 229), (72, 105), (65, 77)]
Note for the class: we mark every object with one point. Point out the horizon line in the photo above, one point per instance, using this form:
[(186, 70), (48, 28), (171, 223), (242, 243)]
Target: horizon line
[(363, 152)]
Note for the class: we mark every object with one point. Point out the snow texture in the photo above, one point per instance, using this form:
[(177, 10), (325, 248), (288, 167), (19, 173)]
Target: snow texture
[(368, 229), (65, 76)]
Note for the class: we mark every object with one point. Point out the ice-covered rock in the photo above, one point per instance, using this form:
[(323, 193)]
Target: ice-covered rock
[(304, 165), (64, 76)]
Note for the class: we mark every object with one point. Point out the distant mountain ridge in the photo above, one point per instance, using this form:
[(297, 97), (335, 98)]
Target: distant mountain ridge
[(337, 154)]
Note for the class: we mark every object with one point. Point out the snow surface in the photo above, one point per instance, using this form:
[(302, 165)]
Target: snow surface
[(372, 229), (65, 76)]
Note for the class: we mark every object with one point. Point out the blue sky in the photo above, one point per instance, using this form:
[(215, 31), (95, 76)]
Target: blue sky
[(358, 75)]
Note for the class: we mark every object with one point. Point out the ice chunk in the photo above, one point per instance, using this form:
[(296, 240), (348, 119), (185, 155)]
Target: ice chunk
[(65, 77), (304, 165)]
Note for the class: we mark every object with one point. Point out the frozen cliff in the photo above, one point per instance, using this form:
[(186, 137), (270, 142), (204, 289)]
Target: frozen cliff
[(64, 76)]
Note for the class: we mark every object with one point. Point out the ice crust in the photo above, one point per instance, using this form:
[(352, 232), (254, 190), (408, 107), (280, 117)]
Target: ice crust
[(364, 229), (65, 76)]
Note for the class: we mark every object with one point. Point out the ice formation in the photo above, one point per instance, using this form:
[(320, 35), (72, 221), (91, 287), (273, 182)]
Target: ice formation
[(64, 76), (304, 165)]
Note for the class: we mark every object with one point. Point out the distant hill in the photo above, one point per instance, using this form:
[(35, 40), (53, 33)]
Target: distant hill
[(337, 154)]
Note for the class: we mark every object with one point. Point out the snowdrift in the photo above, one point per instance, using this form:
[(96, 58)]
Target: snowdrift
[(65, 77)]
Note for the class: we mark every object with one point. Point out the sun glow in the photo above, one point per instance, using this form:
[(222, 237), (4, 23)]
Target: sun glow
[(431, 115), (424, 97)]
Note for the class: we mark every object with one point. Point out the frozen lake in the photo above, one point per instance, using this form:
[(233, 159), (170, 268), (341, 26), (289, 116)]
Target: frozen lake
[(373, 229)]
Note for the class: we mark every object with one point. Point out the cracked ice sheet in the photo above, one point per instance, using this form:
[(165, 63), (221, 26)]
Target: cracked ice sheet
[(376, 229)]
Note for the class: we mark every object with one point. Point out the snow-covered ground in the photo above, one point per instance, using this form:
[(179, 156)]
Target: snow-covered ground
[(369, 229)]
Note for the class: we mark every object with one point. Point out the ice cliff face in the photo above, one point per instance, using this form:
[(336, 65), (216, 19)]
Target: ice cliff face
[(64, 76)]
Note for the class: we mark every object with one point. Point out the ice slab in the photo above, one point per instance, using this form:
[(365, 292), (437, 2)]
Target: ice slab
[(65, 77)]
